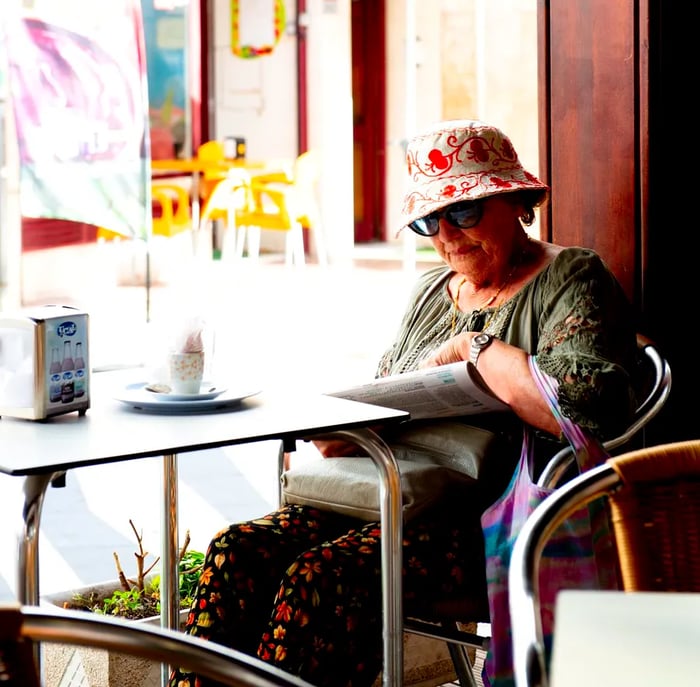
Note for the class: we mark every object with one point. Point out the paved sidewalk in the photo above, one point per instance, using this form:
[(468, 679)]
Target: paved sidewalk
[(314, 328)]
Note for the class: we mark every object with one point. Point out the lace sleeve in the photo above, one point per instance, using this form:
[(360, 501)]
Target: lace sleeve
[(587, 341)]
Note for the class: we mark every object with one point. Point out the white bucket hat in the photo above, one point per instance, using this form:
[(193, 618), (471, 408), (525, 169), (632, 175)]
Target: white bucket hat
[(461, 160)]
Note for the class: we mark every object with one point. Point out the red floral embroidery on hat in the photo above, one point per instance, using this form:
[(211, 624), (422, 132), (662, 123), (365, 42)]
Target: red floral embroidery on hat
[(438, 160), (478, 149), (449, 190), (499, 183), (508, 150), (458, 160)]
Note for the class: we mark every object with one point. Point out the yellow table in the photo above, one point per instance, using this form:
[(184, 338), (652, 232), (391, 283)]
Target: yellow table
[(196, 167)]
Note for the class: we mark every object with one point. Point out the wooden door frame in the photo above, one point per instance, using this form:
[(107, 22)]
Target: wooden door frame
[(369, 57)]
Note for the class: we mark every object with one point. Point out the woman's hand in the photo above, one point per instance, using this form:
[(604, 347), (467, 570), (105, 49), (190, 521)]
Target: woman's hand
[(452, 351), (340, 448), (505, 370), (336, 448)]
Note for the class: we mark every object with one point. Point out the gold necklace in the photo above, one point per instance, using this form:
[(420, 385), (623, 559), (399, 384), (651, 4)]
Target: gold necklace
[(488, 303)]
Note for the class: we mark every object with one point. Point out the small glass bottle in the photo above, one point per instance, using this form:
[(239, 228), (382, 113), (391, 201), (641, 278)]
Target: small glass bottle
[(55, 377), (79, 373), (67, 377)]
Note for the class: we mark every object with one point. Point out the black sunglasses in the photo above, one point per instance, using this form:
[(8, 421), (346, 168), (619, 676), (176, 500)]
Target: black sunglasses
[(464, 215)]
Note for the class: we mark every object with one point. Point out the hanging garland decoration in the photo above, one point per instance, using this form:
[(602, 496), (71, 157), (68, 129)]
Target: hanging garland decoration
[(249, 51)]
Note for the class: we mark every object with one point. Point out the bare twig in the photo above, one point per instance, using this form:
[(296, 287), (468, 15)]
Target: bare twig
[(141, 570), (120, 574), (185, 544), (140, 556)]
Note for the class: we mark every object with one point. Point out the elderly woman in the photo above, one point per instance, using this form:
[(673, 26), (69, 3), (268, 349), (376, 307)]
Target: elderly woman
[(300, 588)]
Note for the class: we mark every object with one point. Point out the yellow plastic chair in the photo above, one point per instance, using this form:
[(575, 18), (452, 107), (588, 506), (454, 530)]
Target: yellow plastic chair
[(210, 152), (281, 203), (174, 216)]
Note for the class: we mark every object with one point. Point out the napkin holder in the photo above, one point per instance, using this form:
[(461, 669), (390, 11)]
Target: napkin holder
[(44, 362)]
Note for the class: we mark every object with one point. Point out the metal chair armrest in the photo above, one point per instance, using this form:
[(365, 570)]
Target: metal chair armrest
[(230, 667)]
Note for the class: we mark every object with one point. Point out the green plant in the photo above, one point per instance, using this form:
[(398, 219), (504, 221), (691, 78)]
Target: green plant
[(140, 597), (191, 564)]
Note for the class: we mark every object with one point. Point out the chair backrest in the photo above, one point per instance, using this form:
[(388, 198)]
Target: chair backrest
[(659, 387), (213, 154), (307, 174), (229, 196), (174, 202), (656, 517), (290, 204), (270, 206), (21, 627), (211, 151), (279, 201), (173, 212), (654, 499)]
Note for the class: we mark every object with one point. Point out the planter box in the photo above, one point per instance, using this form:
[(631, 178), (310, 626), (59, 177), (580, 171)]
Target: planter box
[(71, 666), (427, 661)]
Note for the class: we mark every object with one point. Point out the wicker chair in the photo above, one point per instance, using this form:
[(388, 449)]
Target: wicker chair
[(654, 499), (23, 627)]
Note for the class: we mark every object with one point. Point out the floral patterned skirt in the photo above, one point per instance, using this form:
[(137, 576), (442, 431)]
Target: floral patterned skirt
[(301, 588)]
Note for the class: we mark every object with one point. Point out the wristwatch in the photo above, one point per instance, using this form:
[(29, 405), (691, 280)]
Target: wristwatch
[(479, 343)]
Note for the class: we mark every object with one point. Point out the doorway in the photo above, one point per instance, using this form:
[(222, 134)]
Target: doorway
[(369, 115)]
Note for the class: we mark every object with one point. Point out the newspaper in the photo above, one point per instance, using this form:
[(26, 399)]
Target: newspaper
[(443, 391)]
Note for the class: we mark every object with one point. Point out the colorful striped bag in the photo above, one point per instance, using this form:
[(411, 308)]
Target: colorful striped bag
[(579, 555)]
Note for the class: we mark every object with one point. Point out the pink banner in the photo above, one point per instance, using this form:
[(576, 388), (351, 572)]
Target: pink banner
[(77, 79)]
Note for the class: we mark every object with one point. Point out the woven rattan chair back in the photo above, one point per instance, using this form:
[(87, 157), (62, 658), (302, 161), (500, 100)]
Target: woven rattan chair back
[(656, 518)]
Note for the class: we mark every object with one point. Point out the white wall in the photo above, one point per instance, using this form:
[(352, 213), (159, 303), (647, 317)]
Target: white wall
[(329, 79), (471, 59), (257, 98)]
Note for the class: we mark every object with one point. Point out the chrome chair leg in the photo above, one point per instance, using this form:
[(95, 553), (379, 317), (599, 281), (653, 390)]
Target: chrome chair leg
[(462, 665)]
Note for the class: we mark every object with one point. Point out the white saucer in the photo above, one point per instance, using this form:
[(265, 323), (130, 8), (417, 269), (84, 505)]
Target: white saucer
[(136, 396), (207, 390)]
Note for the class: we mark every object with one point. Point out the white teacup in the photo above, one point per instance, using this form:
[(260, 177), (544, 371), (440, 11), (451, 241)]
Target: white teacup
[(186, 372)]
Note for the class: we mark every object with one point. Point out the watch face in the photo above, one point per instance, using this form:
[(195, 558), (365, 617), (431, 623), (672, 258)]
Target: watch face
[(482, 339)]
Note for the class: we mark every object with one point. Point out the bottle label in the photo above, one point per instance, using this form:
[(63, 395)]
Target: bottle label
[(79, 383), (67, 387), (66, 370)]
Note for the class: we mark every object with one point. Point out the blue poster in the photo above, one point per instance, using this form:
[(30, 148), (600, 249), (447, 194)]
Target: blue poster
[(165, 30)]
